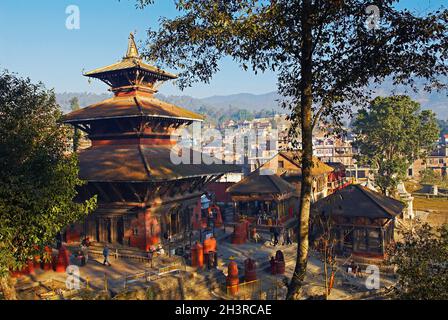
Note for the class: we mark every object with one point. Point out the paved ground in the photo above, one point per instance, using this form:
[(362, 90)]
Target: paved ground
[(94, 272), (346, 286), (198, 284)]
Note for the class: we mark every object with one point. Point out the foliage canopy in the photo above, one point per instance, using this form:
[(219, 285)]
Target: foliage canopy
[(39, 174), (421, 261), (392, 133)]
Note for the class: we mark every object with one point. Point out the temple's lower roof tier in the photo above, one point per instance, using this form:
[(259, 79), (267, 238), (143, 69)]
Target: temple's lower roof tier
[(137, 163), (136, 104)]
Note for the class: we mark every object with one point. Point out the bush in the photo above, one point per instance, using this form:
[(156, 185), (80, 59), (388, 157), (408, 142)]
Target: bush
[(422, 265)]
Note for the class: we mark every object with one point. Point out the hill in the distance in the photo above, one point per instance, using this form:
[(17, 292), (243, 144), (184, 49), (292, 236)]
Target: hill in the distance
[(246, 101), (85, 99), (436, 101)]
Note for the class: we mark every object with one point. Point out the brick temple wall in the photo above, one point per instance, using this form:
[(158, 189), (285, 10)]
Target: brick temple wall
[(144, 231)]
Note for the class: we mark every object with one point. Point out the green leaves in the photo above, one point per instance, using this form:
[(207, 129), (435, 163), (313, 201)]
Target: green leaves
[(421, 261), (391, 134), (325, 59), (346, 56), (39, 174)]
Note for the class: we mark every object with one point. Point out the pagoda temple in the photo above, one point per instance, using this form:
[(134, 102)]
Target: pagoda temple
[(144, 198)]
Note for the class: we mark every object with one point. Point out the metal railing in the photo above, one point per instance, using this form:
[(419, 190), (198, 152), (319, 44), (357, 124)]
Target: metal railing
[(152, 275), (57, 290), (117, 255), (254, 290), (251, 290)]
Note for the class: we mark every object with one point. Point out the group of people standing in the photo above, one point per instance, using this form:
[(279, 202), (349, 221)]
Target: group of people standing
[(354, 269), (282, 236), (267, 218)]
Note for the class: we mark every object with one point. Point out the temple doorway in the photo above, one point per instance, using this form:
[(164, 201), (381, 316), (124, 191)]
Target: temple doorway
[(120, 231), (108, 231), (97, 230), (173, 227)]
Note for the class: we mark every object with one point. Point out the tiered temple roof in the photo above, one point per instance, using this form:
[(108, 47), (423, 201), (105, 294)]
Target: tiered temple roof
[(133, 83), (132, 132), (143, 194)]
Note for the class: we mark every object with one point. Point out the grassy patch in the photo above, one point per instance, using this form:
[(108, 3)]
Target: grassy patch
[(430, 204), (412, 186), (437, 207)]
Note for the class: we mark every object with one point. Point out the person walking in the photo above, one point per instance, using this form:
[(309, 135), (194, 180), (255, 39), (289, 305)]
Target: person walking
[(106, 255), (288, 237), (276, 234), (85, 252), (160, 250), (150, 255), (281, 237), (272, 231)]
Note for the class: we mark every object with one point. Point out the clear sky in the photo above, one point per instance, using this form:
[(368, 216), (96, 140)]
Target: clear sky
[(35, 42)]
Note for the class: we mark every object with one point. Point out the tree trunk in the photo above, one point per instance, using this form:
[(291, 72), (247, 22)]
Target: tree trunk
[(9, 293), (307, 153), (326, 271), (76, 136)]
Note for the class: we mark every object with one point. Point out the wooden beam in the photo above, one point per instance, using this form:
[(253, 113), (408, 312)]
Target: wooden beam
[(213, 179), (195, 184), (185, 187), (164, 189), (139, 198), (118, 124), (82, 128), (148, 193), (174, 189), (140, 126), (103, 194), (117, 192)]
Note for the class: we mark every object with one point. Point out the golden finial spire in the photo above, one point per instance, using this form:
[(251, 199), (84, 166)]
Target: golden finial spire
[(132, 48)]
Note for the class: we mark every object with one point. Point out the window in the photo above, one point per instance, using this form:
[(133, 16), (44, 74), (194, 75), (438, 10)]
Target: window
[(281, 164), (410, 173)]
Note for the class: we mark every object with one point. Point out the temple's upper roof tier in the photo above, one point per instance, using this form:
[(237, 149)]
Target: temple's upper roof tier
[(130, 71), (132, 82)]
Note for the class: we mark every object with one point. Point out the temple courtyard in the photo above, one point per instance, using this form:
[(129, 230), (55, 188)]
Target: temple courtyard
[(172, 278)]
